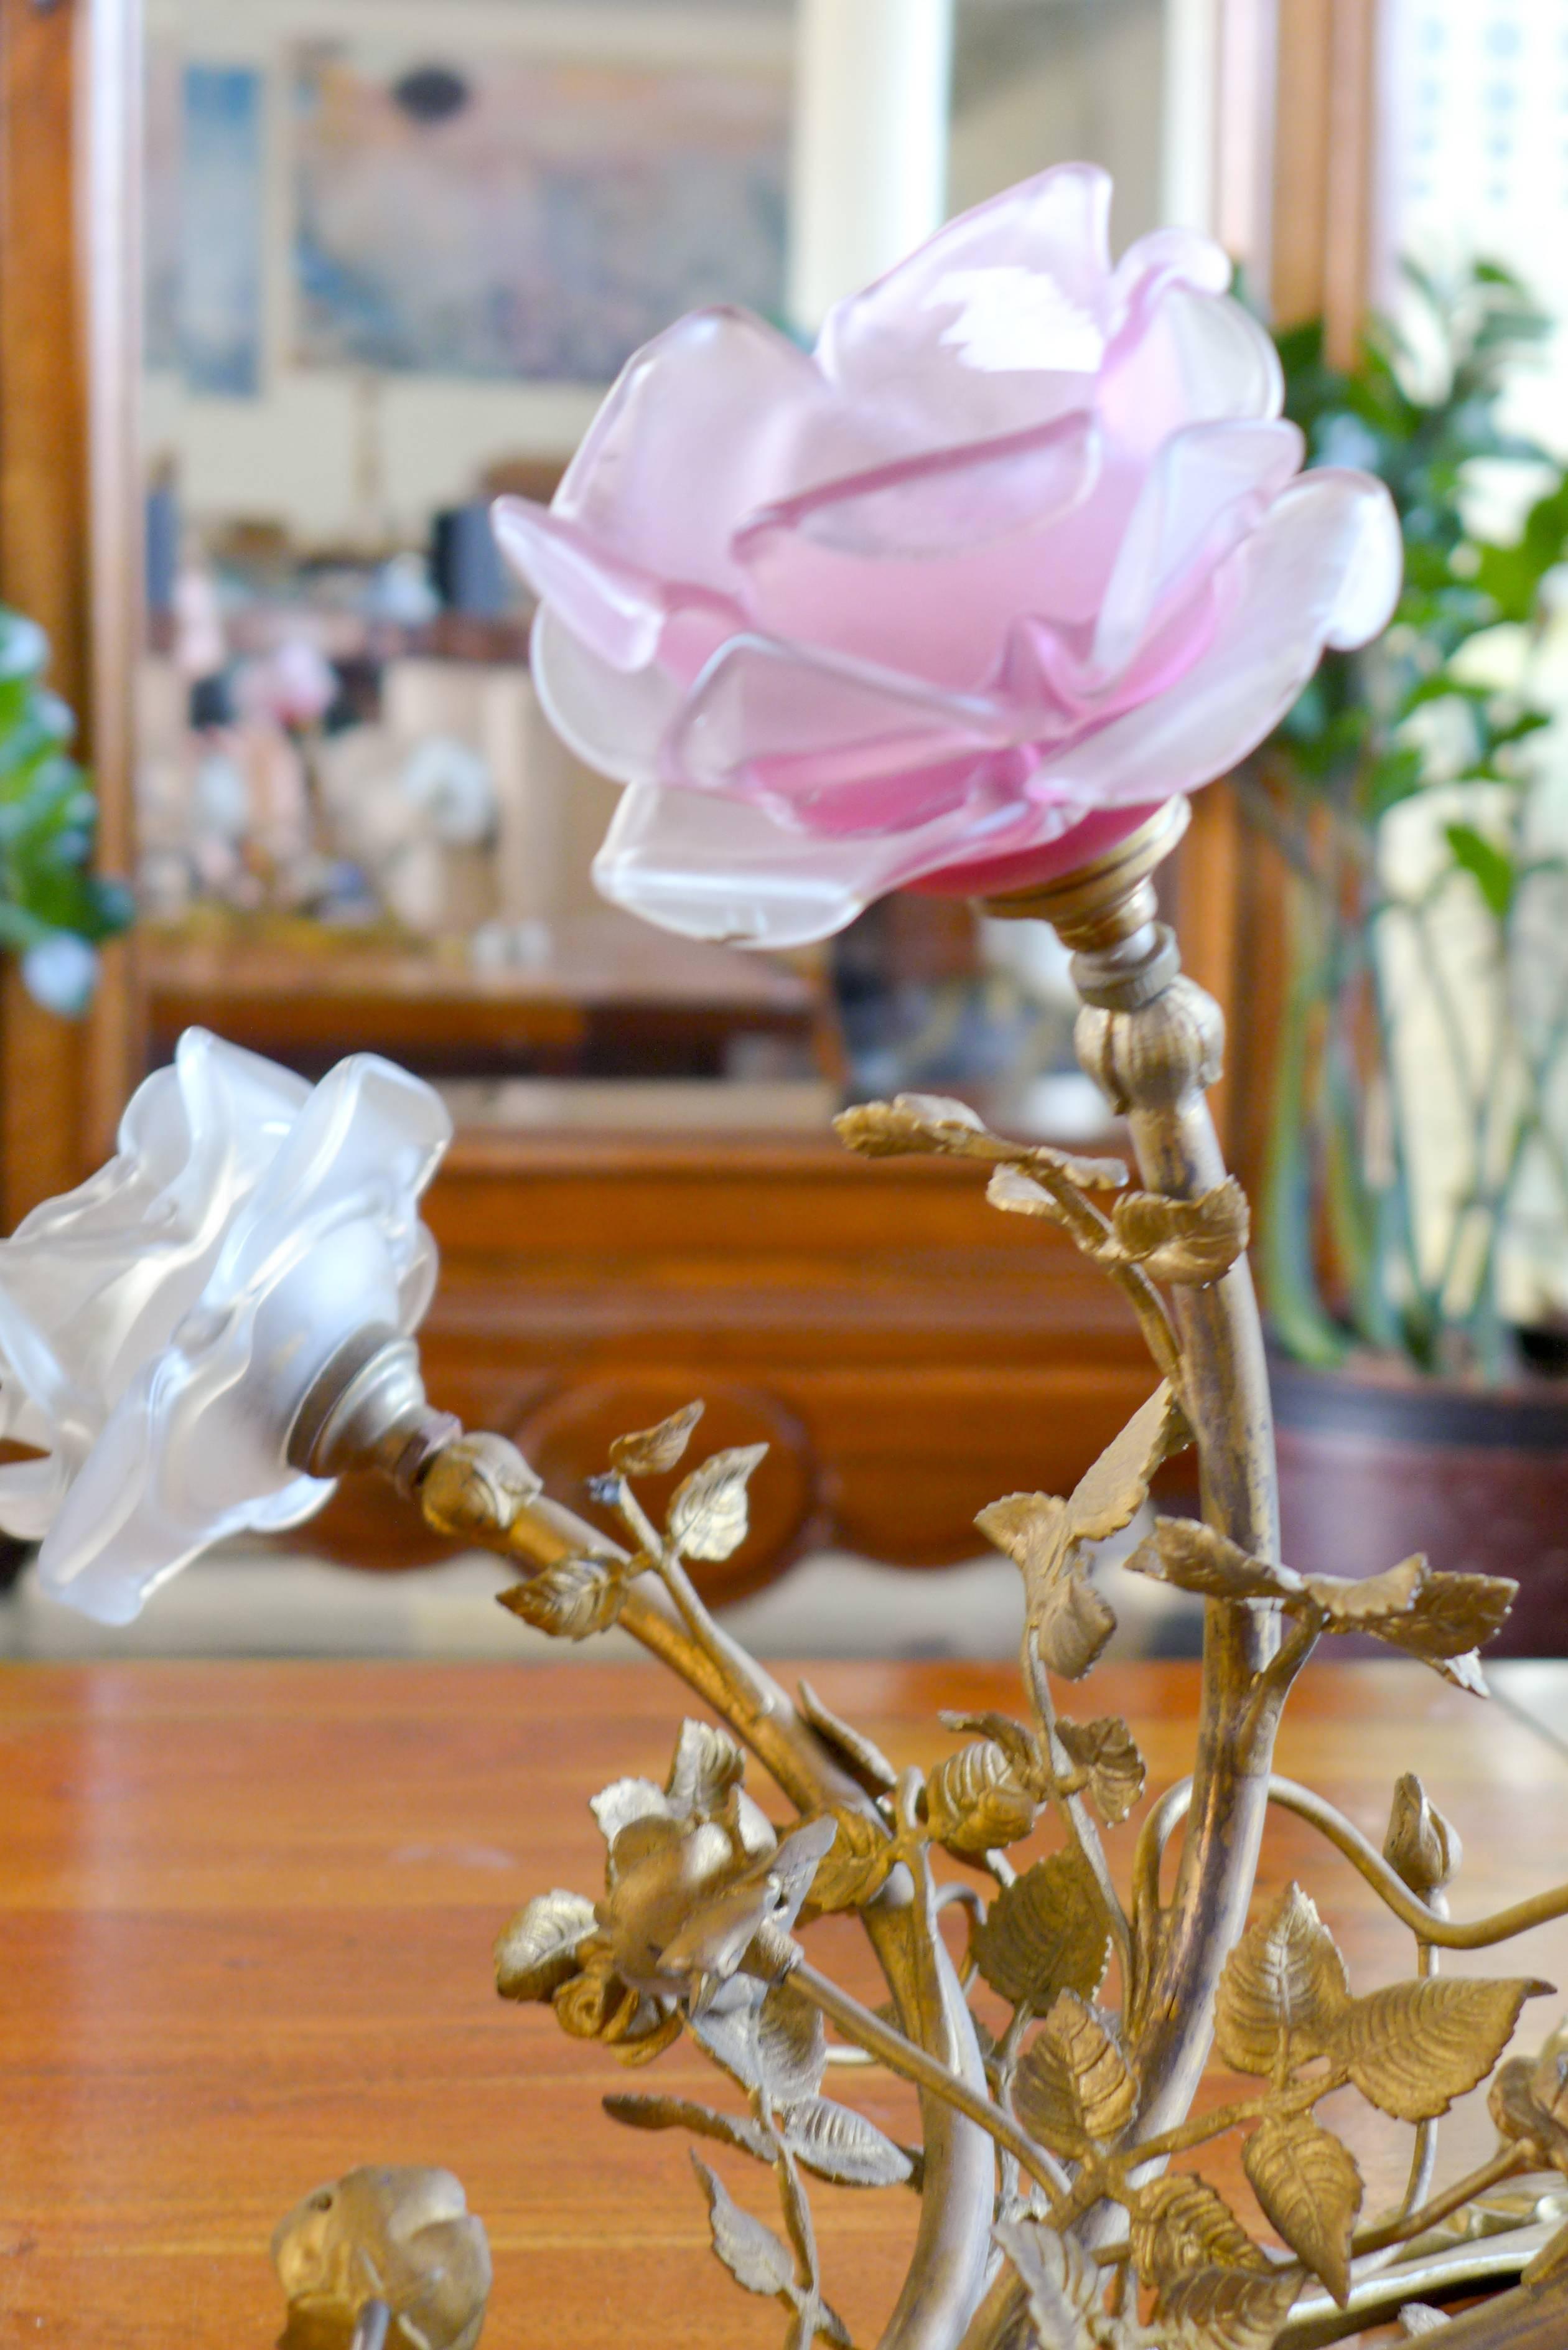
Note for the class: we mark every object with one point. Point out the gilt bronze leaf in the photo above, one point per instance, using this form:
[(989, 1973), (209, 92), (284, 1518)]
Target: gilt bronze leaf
[(1309, 2189), (1195, 1557), (538, 1952), (1413, 2047), (1073, 2083), (1181, 2224), (856, 1866), (1045, 1933), (1061, 2284), (1226, 2309), (1188, 1241), (934, 1124), (1282, 1989), (707, 1764), (1114, 1491), (839, 2144), (571, 1600), (709, 1517), (1108, 1752), (737, 2130), (748, 2249), (653, 1451)]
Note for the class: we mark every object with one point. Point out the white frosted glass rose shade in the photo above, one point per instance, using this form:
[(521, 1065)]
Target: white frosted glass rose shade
[(160, 1326)]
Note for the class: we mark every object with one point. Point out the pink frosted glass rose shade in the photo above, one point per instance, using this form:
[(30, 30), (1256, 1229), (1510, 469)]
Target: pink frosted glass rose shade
[(1022, 545), (160, 1326)]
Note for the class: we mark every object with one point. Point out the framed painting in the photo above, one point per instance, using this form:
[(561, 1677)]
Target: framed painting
[(522, 217)]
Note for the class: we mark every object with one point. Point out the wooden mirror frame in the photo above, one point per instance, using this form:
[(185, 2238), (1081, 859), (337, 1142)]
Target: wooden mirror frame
[(908, 1355)]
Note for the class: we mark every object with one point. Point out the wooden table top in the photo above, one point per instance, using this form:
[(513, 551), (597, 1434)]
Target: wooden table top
[(247, 1915)]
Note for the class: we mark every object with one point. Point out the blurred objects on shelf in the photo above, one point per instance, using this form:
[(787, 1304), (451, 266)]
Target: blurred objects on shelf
[(594, 995)]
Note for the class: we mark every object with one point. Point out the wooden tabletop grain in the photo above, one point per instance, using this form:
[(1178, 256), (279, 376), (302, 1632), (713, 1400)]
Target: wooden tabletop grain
[(246, 1920)]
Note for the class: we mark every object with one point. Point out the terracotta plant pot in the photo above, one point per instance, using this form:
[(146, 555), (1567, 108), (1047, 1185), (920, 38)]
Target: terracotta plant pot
[(1373, 1470)]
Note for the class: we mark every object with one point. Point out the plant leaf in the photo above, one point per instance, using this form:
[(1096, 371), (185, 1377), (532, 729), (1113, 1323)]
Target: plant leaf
[(861, 1757), (737, 2130), (791, 2040), (839, 2144), (1109, 1752), (1491, 869), (1284, 1983), (1045, 1933), (910, 1122), (775, 2045), (708, 1763), (1452, 1614), (1413, 2047), (538, 1952), (1181, 2223), (625, 1800), (1067, 1617), (933, 1123), (1195, 1557), (1370, 1603), (570, 1599), (753, 2255), (1184, 1239), (1018, 1194), (1309, 2189), (652, 1451), (1071, 1624), (1064, 2288), (1072, 2085), (974, 1805), (1528, 2100), (1227, 2309), (1110, 1495), (709, 1518), (1032, 1529), (1440, 1618)]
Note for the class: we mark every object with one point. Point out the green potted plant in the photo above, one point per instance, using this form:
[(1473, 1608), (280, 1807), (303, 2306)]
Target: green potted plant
[(1414, 1233), (54, 910)]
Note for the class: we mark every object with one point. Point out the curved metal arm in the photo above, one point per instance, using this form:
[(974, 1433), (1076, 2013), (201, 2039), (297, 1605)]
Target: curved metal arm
[(1429, 1924)]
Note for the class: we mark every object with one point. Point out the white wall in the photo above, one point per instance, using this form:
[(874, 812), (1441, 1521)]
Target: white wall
[(297, 453), (1090, 86), (1091, 81)]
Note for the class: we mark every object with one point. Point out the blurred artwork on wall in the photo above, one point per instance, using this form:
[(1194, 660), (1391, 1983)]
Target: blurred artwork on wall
[(204, 223), (509, 217)]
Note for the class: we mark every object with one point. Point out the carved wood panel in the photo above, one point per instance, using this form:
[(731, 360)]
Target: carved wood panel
[(907, 1352)]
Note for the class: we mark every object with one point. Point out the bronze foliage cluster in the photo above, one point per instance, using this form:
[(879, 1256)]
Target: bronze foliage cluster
[(702, 1922)]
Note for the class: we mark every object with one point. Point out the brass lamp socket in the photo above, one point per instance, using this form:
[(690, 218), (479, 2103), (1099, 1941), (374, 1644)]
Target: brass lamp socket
[(367, 1408), (1105, 911)]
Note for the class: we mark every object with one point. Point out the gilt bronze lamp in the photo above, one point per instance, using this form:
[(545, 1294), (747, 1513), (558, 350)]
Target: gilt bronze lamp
[(969, 599)]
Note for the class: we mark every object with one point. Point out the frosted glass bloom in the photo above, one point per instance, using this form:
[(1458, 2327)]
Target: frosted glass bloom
[(160, 1326), (1022, 545)]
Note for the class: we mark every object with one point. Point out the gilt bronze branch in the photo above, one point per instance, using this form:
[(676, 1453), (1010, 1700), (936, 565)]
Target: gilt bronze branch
[(1048, 2216)]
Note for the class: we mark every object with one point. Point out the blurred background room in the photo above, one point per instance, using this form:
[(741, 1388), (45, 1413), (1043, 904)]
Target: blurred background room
[(292, 289)]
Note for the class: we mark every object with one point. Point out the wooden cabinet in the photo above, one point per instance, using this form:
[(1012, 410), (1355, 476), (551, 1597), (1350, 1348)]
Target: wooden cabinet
[(908, 1354)]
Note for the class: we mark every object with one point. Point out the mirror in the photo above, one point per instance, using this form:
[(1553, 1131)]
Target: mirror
[(391, 264)]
